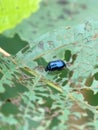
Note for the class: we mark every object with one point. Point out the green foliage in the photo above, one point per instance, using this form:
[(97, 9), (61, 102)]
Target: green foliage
[(12, 12), (52, 100), (53, 14)]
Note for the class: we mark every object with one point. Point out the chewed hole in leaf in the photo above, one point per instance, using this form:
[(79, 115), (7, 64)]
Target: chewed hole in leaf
[(65, 82), (64, 73), (90, 97), (96, 76), (89, 80), (41, 62), (74, 56), (67, 55)]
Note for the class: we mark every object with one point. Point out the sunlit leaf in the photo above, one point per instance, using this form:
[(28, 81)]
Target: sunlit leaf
[(12, 12)]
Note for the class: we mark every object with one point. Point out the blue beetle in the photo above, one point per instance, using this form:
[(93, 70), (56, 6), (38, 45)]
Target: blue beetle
[(55, 65)]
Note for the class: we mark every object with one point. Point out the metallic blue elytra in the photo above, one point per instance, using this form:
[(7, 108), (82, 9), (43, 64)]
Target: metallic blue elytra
[(55, 65)]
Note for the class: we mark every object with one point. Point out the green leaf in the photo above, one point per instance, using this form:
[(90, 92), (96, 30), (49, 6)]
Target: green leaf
[(54, 45), (57, 94), (68, 13), (12, 12)]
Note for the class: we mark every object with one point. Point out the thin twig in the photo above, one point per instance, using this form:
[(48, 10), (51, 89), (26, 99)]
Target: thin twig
[(4, 52)]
